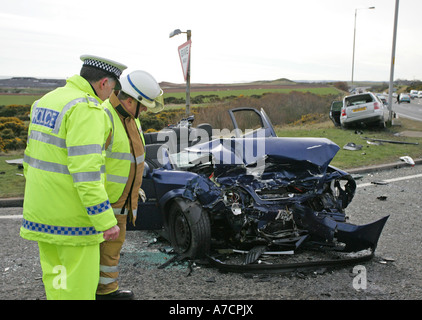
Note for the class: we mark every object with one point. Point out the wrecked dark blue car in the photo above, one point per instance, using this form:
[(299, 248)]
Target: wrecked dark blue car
[(239, 189)]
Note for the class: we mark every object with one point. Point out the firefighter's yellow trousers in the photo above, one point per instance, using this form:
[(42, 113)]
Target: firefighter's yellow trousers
[(109, 259), (69, 272)]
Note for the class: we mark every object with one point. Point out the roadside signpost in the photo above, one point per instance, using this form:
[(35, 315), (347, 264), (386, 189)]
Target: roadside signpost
[(184, 54)]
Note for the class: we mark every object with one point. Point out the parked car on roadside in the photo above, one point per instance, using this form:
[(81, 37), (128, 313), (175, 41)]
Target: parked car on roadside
[(382, 98), (413, 94), (364, 109), (335, 111), (404, 97), (419, 94)]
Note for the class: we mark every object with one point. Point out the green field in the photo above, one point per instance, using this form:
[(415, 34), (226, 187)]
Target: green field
[(250, 92), (18, 99), (12, 183)]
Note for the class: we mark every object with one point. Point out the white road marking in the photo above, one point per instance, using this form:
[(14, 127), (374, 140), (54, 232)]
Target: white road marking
[(391, 180), (408, 117), (13, 216)]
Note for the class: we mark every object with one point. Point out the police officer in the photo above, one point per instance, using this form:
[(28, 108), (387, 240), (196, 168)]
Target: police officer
[(124, 167), (66, 207)]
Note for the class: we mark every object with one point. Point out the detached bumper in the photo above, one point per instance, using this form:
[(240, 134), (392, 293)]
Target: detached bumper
[(355, 237)]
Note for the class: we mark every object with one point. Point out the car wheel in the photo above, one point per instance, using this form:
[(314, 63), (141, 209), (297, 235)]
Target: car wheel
[(189, 228)]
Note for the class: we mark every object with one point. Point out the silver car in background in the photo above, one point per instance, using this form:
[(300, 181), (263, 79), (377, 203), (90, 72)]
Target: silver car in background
[(364, 109)]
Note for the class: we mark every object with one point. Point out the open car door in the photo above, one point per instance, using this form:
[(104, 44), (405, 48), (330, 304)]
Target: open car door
[(251, 122)]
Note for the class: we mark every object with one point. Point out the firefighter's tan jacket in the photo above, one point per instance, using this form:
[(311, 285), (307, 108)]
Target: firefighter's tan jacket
[(125, 155)]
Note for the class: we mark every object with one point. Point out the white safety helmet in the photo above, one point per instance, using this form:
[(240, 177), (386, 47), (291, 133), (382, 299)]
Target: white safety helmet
[(142, 86)]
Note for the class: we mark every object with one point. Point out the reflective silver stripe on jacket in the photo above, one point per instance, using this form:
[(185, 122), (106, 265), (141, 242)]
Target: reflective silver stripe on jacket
[(112, 124), (67, 107), (60, 168), (104, 280), (120, 155), (117, 179), (119, 211), (140, 159), (104, 268), (125, 156), (45, 165), (84, 150), (58, 230), (61, 143), (47, 138)]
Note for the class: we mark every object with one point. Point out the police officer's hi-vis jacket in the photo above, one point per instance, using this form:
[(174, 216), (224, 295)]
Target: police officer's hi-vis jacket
[(65, 198), (125, 156)]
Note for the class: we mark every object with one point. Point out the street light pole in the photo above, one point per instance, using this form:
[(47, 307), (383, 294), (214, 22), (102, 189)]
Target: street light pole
[(354, 40), (188, 33), (393, 58)]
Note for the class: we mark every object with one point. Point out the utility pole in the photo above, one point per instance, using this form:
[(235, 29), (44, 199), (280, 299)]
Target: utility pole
[(354, 41), (393, 58), (188, 32)]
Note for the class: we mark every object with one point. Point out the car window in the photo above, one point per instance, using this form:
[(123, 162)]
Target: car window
[(359, 99), (248, 120), (336, 106)]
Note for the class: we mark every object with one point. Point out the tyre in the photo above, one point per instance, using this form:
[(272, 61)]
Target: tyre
[(189, 228)]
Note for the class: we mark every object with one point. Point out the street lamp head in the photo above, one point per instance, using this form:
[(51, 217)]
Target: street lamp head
[(175, 33), (371, 8)]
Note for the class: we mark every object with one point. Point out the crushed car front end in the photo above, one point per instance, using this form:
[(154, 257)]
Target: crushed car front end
[(287, 197)]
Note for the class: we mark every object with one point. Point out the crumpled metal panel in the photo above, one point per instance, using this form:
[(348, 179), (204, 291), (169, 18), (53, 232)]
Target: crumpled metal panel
[(298, 164), (237, 151)]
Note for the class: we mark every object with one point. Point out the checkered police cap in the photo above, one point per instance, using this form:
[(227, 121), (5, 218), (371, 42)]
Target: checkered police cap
[(112, 67)]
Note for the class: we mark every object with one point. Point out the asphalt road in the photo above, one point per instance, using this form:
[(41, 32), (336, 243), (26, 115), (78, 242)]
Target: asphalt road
[(412, 110), (395, 273)]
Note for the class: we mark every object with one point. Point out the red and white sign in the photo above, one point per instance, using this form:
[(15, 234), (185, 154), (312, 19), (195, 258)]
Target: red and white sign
[(184, 54)]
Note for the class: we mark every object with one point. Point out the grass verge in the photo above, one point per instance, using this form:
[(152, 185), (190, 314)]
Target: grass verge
[(12, 183), (370, 154)]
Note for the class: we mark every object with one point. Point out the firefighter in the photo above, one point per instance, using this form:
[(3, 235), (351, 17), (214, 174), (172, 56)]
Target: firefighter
[(125, 155), (66, 207)]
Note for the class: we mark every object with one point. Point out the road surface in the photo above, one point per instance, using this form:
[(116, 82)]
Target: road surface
[(394, 274), (412, 110)]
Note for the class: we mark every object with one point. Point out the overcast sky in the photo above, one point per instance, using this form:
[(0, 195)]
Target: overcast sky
[(232, 40)]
